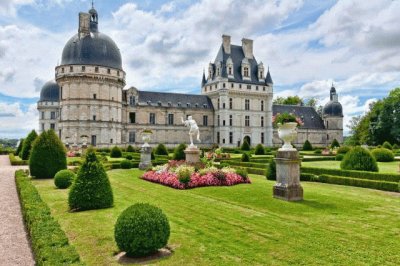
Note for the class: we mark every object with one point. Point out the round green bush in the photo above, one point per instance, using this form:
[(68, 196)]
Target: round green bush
[(343, 150), (91, 189), (63, 179), (48, 156), (126, 164), (129, 157), (339, 157), (359, 159), (115, 152), (245, 145), (387, 145), (179, 153), (27, 146), (259, 150), (335, 144), (245, 157), (161, 150), (307, 146), (130, 148), (271, 170), (383, 155), (141, 230)]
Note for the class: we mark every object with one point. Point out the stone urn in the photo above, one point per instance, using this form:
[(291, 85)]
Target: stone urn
[(146, 137), (287, 132)]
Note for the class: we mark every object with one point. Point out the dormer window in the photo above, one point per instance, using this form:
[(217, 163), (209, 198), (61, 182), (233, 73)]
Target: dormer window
[(169, 104), (229, 70), (83, 68), (179, 104), (246, 72), (149, 102), (204, 105), (196, 105), (261, 74), (159, 103), (62, 70), (96, 69), (108, 71), (188, 104)]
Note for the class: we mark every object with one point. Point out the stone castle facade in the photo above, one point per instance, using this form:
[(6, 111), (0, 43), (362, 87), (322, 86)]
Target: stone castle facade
[(88, 100)]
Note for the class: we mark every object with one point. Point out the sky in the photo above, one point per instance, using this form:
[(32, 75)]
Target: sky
[(165, 45)]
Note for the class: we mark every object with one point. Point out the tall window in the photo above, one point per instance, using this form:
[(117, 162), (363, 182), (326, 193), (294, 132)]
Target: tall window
[(94, 118), (230, 137), (223, 122), (132, 117), (132, 100), (52, 126), (218, 120), (262, 137), (262, 105), (230, 120), (42, 115), (71, 68), (223, 105), (246, 104), (94, 140), (42, 127), (132, 137), (262, 121), (261, 74), (170, 119), (229, 70), (205, 120), (246, 71), (83, 68), (247, 121), (95, 96), (218, 138), (96, 69), (152, 118), (218, 103), (230, 103)]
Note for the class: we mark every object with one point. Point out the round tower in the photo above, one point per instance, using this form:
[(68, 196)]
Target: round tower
[(48, 106), (333, 118)]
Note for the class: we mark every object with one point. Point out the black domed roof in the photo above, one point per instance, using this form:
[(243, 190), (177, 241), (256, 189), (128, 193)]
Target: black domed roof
[(333, 108), (50, 92)]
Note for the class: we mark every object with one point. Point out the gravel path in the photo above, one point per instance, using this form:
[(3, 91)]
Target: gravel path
[(14, 244)]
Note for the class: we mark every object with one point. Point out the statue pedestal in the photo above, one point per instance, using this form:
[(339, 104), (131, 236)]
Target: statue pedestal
[(192, 154), (287, 185), (145, 157)]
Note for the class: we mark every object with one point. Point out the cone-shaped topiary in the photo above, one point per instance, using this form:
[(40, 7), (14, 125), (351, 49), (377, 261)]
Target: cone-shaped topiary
[(271, 171), (395, 147), (335, 144), (161, 150), (64, 178), (91, 189), (141, 230), (359, 159), (245, 157), (259, 150), (130, 149), (115, 152), (19, 148), (26, 148), (387, 145), (383, 155), (307, 146), (47, 155), (179, 152), (245, 145)]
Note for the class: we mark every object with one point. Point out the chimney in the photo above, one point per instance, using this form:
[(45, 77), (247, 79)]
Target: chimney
[(247, 46), (84, 23), (226, 42)]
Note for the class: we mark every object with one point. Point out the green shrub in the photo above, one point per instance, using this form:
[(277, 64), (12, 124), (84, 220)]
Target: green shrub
[(245, 146), (129, 157), (318, 151), (179, 152), (335, 144), (48, 241), (307, 146), (308, 177), (259, 150), (318, 158), (130, 149), (242, 172), (161, 150), (343, 150), (387, 145), (126, 164), (360, 159), (115, 152), (271, 170), (15, 161), (91, 189), (339, 157), (27, 146), (245, 157), (383, 155), (141, 230), (374, 184), (64, 178), (395, 147), (152, 156), (19, 148), (184, 173), (47, 156)]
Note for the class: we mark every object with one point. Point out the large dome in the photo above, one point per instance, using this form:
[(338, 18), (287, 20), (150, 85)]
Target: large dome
[(50, 92), (333, 108)]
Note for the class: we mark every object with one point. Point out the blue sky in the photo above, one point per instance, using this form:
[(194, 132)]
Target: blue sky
[(165, 46)]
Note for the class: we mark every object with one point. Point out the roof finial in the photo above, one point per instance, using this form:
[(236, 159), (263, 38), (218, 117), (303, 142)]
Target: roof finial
[(92, 4)]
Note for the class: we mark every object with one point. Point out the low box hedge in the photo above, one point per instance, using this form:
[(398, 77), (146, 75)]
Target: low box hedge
[(49, 243), (246, 164), (15, 161), (319, 158)]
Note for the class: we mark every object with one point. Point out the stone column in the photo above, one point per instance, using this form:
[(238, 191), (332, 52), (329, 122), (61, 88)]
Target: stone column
[(287, 185), (145, 157), (192, 154)]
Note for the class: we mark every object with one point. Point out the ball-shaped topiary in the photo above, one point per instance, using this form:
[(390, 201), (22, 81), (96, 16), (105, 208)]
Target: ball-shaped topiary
[(335, 144), (179, 152), (64, 178), (126, 164), (387, 145), (48, 156), (245, 157), (161, 150), (245, 145), (115, 152), (91, 189), (359, 159), (130, 148), (141, 230), (343, 150), (383, 155), (339, 157), (259, 150), (307, 146), (27, 146)]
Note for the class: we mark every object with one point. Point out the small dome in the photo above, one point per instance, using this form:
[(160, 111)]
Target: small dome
[(333, 109), (50, 92)]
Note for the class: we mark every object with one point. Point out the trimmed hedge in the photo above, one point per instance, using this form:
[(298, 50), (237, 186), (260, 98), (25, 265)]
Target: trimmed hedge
[(259, 150), (319, 158), (49, 242), (245, 157), (64, 178), (161, 150), (126, 164), (115, 152), (383, 155), (246, 164), (130, 149), (335, 144), (357, 182), (359, 159), (15, 161), (245, 146), (387, 145)]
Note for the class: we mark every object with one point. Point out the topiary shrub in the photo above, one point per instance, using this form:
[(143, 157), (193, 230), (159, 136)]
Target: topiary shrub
[(243, 173), (383, 155), (19, 148), (91, 189), (126, 164), (179, 153), (141, 230), (339, 157), (129, 157), (307, 146), (343, 150), (245, 145), (318, 151), (335, 144), (64, 178), (395, 147), (271, 170), (359, 159), (259, 150), (245, 157), (152, 156), (27, 146), (387, 145), (161, 150), (115, 152), (130, 149), (48, 156)]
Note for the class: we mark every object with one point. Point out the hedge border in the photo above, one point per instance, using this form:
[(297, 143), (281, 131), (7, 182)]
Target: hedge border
[(14, 161), (49, 243)]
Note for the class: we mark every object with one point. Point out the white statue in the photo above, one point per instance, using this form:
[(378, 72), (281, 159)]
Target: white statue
[(194, 129)]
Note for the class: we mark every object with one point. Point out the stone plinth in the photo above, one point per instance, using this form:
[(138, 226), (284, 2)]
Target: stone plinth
[(287, 185), (145, 157), (192, 154)]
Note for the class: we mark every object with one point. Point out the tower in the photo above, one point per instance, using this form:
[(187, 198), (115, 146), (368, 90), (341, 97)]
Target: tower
[(333, 118)]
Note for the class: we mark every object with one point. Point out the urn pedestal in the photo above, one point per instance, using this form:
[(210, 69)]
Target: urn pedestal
[(145, 157), (192, 154), (287, 185)]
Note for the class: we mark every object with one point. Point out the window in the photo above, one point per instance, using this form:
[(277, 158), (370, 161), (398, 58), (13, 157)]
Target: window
[(42, 126), (223, 106), (132, 100), (232, 85), (223, 141), (262, 137), (62, 70), (261, 74), (170, 119), (118, 73), (94, 140), (230, 103), (218, 103), (42, 115), (53, 115), (205, 120), (262, 105), (218, 120), (215, 85), (223, 122), (230, 137), (218, 138), (132, 137), (95, 96), (229, 70), (96, 69), (108, 71), (132, 117), (263, 88), (262, 121), (179, 104), (230, 120), (240, 86), (246, 72), (223, 85), (111, 141), (188, 105), (83, 68), (152, 118), (71, 68), (246, 104), (94, 118), (247, 121), (61, 92), (159, 103), (256, 88), (249, 87), (52, 126)]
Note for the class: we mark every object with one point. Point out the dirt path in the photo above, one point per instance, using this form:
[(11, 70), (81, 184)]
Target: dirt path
[(14, 244)]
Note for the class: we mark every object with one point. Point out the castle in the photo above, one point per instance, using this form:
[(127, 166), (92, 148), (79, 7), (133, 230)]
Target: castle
[(88, 100)]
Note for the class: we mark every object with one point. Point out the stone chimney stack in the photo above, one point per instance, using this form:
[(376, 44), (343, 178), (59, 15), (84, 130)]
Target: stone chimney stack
[(226, 42), (84, 24), (247, 46)]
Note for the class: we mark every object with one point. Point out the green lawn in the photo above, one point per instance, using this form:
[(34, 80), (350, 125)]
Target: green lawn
[(389, 167), (243, 224)]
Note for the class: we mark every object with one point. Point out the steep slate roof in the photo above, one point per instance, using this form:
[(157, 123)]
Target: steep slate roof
[(309, 115), (154, 98)]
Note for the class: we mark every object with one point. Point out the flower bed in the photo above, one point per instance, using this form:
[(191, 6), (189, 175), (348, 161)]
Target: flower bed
[(179, 175)]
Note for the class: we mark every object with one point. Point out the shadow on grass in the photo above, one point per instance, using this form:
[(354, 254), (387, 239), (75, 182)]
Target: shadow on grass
[(122, 258), (317, 205)]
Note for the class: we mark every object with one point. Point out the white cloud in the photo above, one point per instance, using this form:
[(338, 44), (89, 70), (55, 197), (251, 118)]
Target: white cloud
[(15, 122)]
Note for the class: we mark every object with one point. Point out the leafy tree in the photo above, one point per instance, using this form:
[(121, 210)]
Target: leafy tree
[(290, 100), (26, 148), (312, 102)]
